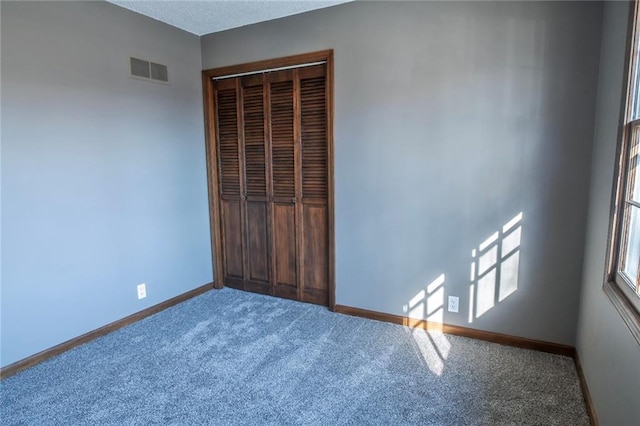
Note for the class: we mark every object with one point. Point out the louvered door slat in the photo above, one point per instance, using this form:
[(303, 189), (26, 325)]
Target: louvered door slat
[(255, 180), (282, 143), (227, 120), (314, 137), (284, 184), (253, 116), (230, 169)]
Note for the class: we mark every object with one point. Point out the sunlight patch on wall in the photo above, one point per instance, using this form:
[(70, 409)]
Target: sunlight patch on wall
[(486, 288), (426, 310), (416, 306), (494, 268), (435, 300), (427, 304)]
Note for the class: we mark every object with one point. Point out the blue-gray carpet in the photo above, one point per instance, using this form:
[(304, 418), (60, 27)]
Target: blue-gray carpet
[(230, 357)]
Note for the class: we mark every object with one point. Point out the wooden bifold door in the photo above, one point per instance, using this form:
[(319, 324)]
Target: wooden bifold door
[(273, 189)]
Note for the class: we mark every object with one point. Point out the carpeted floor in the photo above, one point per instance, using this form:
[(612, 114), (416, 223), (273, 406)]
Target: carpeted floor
[(230, 357)]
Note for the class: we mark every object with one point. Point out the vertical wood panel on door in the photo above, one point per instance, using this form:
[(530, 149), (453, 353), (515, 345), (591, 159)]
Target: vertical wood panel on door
[(226, 93), (255, 191), (273, 151), (315, 237), (283, 178)]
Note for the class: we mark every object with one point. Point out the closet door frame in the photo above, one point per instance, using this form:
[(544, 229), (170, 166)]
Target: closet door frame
[(209, 102)]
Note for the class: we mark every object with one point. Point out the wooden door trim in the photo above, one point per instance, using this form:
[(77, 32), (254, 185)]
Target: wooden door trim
[(210, 134), (211, 142), (257, 66), (330, 182)]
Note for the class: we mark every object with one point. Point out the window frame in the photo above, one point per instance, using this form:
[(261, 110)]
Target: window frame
[(617, 285)]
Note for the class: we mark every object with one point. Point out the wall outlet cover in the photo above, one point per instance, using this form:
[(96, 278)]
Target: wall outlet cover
[(142, 291), (454, 303)]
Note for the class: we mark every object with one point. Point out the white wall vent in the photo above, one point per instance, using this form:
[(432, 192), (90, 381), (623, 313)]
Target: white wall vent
[(148, 70)]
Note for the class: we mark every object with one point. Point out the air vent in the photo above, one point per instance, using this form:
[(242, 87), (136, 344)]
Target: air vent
[(149, 70)]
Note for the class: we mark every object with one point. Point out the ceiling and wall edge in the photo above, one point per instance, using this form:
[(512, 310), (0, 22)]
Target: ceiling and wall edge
[(206, 17)]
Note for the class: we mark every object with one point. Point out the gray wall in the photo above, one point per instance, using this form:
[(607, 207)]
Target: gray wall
[(608, 351), (450, 119), (103, 176)]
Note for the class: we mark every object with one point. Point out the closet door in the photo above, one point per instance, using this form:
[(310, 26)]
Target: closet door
[(314, 238), (255, 198), (231, 180), (273, 159), (283, 157)]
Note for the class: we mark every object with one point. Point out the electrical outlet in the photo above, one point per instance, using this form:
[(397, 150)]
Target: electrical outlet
[(142, 291), (453, 303)]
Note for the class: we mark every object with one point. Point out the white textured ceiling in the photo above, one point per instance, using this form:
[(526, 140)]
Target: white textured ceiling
[(204, 17)]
